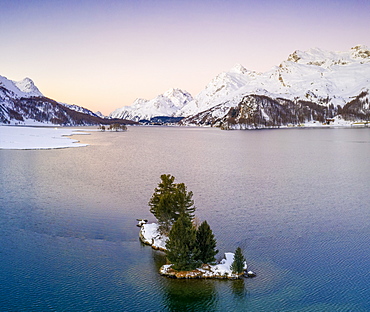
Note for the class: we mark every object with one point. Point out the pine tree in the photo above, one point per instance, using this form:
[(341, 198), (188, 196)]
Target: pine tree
[(238, 264), (169, 201), (206, 243), (184, 203), (181, 247)]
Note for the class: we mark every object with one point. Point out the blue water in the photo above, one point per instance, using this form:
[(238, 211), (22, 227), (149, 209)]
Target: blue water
[(296, 201)]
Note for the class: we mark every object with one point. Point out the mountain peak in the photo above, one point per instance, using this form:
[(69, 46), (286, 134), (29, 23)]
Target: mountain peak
[(239, 69), (27, 86), (166, 104), (175, 92)]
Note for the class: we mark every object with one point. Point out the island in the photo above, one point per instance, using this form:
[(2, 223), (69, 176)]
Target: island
[(190, 248)]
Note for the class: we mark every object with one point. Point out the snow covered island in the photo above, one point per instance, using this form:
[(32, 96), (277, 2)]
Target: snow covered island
[(150, 235)]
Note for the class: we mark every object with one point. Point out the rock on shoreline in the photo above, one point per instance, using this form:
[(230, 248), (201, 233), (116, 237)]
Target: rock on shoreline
[(205, 271), (218, 271)]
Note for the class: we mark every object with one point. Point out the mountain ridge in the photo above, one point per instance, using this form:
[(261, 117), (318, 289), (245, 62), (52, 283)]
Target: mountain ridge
[(309, 86), (22, 102), (314, 83), (166, 104)]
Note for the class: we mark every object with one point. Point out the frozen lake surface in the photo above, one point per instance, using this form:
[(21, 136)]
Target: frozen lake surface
[(13, 137)]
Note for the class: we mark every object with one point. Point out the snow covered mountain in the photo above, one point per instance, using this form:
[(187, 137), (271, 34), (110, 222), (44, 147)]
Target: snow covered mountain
[(19, 89), (80, 109), (99, 114), (166, 104), (223, 88), (21, 102), (28, 88), (308, 86)]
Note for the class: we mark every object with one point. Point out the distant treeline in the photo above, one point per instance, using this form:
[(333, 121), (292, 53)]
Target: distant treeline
[(161, 120)]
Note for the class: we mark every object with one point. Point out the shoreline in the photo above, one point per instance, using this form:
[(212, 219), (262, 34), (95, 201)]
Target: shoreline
[(149, 235), (38, 138), (313, 125)]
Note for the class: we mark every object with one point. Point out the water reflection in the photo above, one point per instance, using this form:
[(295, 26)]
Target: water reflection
[(190, 295), (185, 295), (159, 258), (238, 289), (197, 294)]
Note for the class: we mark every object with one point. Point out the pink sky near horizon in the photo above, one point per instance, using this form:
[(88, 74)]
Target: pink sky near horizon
[(103, 55)]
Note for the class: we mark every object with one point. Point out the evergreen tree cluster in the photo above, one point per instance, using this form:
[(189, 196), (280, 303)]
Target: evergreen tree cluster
[(169, 201), (187, 246), (182, 250), (116, 127)]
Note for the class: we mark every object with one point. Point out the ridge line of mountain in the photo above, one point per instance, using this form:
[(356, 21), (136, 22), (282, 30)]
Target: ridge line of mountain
[(309, 86), (315, 84), (21, 102)]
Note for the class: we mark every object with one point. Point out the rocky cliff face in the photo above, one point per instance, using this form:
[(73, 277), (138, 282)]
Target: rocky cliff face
[(44, 110), (358, 108), (258, 111)]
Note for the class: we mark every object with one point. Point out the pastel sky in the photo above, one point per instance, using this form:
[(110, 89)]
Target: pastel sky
[(102, 55)]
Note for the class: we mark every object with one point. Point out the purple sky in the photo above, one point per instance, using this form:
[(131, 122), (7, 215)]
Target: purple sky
[(104, 54)]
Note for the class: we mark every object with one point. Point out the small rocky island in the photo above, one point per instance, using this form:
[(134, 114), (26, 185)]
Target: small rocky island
[(190, 249)]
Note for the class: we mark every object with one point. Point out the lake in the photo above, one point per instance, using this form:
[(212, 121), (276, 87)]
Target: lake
[(295, 200)]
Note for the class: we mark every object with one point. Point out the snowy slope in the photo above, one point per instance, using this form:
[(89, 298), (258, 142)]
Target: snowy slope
[(166, 104), (223, 88), (99, 114), (18, 89), (324, 78), (80, 109), (28, 88), (319, 76)]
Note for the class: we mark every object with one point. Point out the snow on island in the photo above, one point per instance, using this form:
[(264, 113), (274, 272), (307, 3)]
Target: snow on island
[(221, 270), (150, 235), (22, 138)]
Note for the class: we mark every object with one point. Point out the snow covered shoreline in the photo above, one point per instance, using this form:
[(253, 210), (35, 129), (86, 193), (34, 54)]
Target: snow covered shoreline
[(150, 235), (218, 271), (30, 138), (333, 123)]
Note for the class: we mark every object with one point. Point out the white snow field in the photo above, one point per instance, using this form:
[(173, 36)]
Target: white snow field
[(13, 137)]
